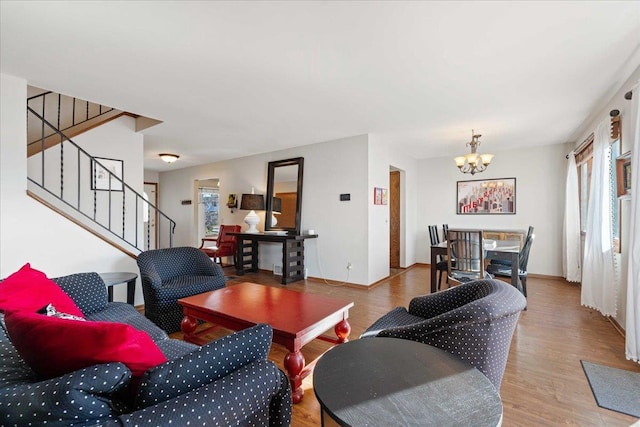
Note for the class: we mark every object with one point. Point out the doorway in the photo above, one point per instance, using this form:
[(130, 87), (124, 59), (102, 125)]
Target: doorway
[(207, 209), (150, 215), (394, 221)]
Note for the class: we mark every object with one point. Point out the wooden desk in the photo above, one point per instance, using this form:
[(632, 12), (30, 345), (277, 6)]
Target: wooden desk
[(292, 253), (505, 249), (396, 382), (297, 318)]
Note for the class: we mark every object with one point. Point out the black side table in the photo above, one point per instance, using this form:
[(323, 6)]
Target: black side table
[(120, 278), (395, 382)]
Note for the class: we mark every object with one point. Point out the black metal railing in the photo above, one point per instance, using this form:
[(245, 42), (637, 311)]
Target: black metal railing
[(62, 112), (94, 188)]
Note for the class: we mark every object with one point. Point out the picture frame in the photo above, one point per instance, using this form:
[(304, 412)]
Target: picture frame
[(486, 197), (626, 176), (380, 196), (102, 172), (623, 174), (232, 200)]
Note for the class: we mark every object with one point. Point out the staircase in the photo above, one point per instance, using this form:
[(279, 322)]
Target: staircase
[(88, 191)]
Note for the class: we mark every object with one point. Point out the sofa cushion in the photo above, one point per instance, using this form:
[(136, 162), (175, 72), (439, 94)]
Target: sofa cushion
[(53, 346), (79, 398), (233, 400), (88, 290), (13, 370), (30, 289), (126, 313), (204, 365)]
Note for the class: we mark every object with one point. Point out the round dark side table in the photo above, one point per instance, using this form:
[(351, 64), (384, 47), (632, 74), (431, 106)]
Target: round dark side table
[(119, 278), (393, 382)]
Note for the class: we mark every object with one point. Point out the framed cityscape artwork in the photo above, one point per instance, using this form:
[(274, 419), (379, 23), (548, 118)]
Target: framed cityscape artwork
[(486, 196)]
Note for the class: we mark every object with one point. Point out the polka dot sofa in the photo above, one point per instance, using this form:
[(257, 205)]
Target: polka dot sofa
[(475, 321), (228, 382)]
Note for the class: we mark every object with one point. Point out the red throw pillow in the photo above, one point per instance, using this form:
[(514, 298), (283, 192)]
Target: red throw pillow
[(30, 289), (53, 346)]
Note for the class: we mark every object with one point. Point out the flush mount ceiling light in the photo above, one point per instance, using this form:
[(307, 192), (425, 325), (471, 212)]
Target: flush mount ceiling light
[(168, 157), (473, 162)]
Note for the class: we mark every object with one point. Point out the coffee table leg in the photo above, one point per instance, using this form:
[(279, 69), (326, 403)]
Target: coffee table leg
[(188, 327), (343, 329), (294, 364)]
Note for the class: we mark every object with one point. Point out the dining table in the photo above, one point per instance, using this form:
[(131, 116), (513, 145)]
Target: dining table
[(508, 250)]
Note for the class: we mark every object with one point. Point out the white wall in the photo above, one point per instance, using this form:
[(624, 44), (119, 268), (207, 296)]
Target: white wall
[(381, 158), (540, 176), (617, 102), (31, 232), (330, 168)]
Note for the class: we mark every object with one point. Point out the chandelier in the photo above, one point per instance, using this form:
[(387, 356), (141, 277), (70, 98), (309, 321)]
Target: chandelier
[(473, 162)]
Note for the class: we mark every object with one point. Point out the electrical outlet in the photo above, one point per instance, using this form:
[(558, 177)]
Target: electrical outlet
[(349, 265)]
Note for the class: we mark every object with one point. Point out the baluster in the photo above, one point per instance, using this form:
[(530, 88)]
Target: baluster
[(59, 107), (62, 169), (95, 196), (123, 210), (78, 163), (110, 203)]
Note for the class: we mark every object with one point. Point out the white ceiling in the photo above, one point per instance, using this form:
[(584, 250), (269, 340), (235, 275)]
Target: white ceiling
[(230, 79)]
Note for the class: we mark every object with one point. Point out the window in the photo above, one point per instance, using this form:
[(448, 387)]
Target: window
[(584, 160), (210, 199)]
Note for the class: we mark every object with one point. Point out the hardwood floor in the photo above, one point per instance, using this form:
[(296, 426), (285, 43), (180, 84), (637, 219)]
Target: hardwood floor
[(544, 383)]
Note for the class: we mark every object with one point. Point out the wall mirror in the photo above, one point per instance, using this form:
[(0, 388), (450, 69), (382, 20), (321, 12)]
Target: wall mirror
[(284, 195)]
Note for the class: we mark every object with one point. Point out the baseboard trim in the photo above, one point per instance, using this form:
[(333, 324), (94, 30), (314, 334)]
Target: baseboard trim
[(617, 326)]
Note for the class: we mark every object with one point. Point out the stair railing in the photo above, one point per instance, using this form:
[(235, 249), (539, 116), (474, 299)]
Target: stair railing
[(73, 178), (64, 112)]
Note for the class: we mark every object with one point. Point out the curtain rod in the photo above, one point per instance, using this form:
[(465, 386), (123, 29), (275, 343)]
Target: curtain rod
[(612, 113), (581, 146)]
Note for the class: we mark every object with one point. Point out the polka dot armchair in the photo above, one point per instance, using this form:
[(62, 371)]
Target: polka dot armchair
[(228, 382), (170, 274), (475, 321)]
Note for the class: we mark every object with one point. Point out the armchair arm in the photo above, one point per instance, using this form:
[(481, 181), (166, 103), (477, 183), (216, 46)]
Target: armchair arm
[(149, 275), (433, 305), (210, 268), (75, 398), (204, 365), (256, 394), (208, 239)]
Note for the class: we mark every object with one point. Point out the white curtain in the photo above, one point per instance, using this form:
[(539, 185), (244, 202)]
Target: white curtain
[(571, 252), (633, 277), (599, 290)]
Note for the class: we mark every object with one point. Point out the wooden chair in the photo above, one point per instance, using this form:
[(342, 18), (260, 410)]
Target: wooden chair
[(504, 270), (225, 244), (442, 264), (467, 248)]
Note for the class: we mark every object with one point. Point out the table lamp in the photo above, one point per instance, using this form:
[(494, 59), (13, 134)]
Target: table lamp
[(252, 202)]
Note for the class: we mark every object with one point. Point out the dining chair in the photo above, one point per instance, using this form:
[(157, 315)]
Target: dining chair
[(466, 247), (502, 270), (441, 264), (445, 231)]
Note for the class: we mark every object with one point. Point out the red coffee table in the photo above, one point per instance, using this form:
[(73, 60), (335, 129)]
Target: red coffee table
[(297, 318)]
